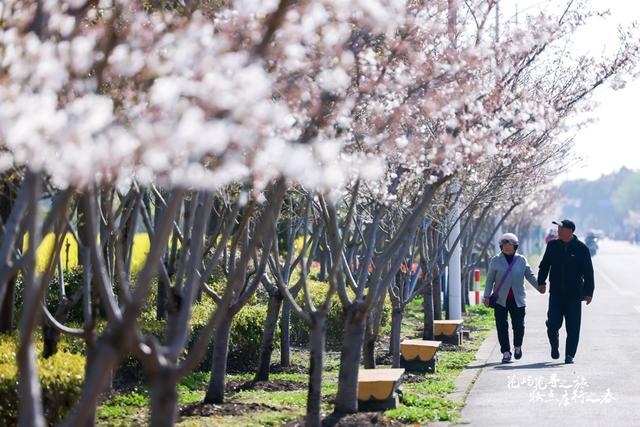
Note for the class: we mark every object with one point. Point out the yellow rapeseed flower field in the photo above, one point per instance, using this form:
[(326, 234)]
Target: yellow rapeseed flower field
[(69, 252)]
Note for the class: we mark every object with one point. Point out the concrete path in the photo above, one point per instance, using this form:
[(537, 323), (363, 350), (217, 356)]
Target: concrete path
[(602, 388)]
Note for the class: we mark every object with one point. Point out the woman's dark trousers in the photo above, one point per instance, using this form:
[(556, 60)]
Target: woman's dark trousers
[(502, 325)]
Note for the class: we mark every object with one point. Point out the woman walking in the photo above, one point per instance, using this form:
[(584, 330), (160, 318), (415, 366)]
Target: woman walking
[(504, 291)]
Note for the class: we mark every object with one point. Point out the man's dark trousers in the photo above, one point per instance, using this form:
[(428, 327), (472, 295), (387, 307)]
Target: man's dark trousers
[(568, 308), (502, 325)]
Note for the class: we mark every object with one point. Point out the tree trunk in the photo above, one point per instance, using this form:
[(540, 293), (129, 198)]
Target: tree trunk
[(50, 338), (323, 266), (285, 336), (369, 352), (215, 391), (30, 409), (89, 361), (84, 234), (7, 307), (163, 286), (427, 306), (396, 332), (98, 368), (268, 336), (369, 346), (372, 331), (465, 294), (347, 397), (316, 366), (7, 197), (164, 399), (161, 298), (437, 296)]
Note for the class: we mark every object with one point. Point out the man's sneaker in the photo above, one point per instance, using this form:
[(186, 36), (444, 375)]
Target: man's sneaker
[(555, 354), (568, 359), (506, 357), (517, 353)]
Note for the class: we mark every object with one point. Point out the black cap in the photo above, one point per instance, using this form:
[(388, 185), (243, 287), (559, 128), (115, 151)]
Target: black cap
[(566, 223)]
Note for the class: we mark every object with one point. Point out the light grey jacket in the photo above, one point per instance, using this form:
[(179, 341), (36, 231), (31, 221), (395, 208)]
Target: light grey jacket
[(515, 280)]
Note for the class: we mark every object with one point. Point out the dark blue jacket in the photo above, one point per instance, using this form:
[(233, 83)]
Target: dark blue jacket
[(569, 268)]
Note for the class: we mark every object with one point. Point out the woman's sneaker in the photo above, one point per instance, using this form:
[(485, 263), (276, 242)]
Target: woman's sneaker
[(517, 353), (506, 357)]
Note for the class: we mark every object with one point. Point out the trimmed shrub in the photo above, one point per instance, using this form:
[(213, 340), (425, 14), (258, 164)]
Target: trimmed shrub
[(335, 319), (244, 342), (246, 333), (61, 376)]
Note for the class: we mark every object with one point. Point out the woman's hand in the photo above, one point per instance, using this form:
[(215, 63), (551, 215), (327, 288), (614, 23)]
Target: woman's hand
[(542, 289)]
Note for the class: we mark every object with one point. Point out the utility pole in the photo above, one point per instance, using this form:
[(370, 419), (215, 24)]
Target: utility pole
[(454, 287), (454, 282)]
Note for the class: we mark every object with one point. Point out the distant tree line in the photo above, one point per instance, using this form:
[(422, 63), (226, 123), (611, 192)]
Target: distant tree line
[(610, 204)]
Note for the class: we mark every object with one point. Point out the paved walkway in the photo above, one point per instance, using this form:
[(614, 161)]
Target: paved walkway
[(601, 389)]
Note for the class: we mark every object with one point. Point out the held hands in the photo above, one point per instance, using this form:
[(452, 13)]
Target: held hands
[(587, 298), (485, 301)]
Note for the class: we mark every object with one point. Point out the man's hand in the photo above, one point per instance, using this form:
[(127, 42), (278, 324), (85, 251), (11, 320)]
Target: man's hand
[(587, 298), (485, 301), (542, 289)]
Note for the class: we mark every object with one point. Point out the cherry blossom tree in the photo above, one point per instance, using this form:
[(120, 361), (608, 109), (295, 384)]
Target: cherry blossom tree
[(216, 111)]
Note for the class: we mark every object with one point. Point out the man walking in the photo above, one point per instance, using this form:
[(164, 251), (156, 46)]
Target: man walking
[(568, 262)]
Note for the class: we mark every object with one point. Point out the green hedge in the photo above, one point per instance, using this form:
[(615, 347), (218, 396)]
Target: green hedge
[(61, 376), (244, 342), (335, 320)]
